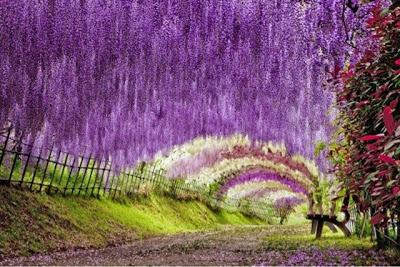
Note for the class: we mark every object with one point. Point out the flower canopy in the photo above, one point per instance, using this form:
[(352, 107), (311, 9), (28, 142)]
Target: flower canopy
[(129, 78)]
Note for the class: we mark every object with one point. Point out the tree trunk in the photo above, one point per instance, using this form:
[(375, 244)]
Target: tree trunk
[(380, 239), (311, 205), (398, 227)]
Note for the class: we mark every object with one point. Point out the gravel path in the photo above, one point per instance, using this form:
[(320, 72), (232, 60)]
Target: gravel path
[(229, 246)]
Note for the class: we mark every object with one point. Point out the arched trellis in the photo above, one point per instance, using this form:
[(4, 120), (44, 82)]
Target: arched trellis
[(208, 161), (229, 167), (217, 163), (227, 163), (266, 197), (276, 157), (257, 173), (256, 189), (232, 168), (251, 174), (208, 153)]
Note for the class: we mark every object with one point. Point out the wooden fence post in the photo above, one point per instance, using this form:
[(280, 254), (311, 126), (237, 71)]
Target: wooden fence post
[(54, 172), (124, 186), (133, 181), (26, 166), (90, 177), (124, 180), (137, 181), (84, 174), (45, 169), (12, 168), (69, 175), (118, 183), (4, 150), (107, 179), (36, 167), (97, 175), (62, 171), (77, 173), (111, 185), (126, 190)]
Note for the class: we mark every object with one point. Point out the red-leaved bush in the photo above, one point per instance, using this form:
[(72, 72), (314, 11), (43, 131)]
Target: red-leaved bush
[(370, 122)]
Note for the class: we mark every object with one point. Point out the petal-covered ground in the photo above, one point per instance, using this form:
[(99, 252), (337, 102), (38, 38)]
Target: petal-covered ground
[(253, 245)]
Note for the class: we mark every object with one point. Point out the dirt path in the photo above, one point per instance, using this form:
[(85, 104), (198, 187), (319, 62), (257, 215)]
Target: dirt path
[(229, 246)]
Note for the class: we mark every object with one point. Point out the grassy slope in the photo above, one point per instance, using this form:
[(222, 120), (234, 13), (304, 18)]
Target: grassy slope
[(31, 223)]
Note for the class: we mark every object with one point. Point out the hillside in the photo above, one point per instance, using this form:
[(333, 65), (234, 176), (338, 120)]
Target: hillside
[(34, 223)]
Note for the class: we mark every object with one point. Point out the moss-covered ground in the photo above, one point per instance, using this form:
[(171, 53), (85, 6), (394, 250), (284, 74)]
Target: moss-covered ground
[(33, 223)]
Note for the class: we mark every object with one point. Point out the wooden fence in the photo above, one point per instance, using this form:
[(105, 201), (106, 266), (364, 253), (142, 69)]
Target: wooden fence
[(50, 170)]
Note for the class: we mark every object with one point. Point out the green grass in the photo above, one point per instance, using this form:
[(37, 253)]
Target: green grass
[(300, 238), (31, 223), (299, 216)]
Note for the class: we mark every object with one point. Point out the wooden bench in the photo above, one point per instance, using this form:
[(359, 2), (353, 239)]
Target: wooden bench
[(318, 222)]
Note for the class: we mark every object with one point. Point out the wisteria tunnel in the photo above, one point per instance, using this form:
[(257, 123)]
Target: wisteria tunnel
[(265, 107)]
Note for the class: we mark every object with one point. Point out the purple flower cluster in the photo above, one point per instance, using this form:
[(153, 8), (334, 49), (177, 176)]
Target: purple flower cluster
[(129, 78), (316, 257), (263, 175), (261, 192)]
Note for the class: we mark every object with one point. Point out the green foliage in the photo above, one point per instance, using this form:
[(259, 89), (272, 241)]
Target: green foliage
[(319, 147), (362, 226)]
